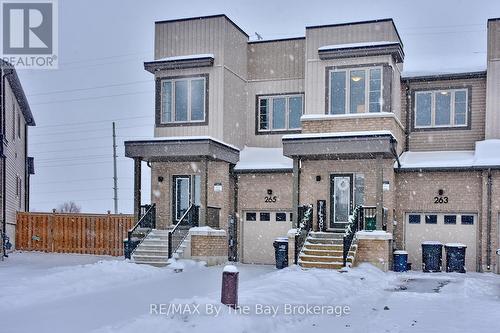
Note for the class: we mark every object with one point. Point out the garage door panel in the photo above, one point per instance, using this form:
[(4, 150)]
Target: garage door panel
[(432, 227), (258, 236)]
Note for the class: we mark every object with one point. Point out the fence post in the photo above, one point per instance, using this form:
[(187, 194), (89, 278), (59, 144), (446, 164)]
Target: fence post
[(51, 229)]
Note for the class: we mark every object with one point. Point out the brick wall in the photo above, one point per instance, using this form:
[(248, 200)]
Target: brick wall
[(374, 251), (347, 124), (208, 246)]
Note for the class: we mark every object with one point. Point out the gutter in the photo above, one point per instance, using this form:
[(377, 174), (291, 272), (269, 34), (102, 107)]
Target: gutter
[(489, 184), (4, 165)]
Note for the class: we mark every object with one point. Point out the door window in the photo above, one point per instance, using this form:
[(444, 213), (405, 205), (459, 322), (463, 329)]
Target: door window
[(182, 195), (341, 197)]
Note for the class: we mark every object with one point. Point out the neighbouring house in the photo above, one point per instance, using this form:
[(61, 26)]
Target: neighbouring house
[(316, 133), (16, 167)]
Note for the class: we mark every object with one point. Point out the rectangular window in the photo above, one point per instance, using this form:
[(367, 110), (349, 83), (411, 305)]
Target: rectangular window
[(251, 216), (183, 100), (414, 219), (265, 217), (280, 217), (18, 125), (441, 108), (356, 90), (430, 219), (13, 120), (450, 219), (280, 112), (467, 219)]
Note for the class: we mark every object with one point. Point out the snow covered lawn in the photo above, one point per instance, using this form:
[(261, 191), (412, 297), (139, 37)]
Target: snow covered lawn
[(76, 293)]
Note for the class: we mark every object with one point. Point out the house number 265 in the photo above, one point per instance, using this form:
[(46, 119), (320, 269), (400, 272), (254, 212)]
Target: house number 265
[(270, 198)]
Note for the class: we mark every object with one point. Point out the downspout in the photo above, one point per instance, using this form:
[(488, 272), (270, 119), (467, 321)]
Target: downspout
[(394, 151), (26, 172), (408, 114), (4, 164), (488, 220)]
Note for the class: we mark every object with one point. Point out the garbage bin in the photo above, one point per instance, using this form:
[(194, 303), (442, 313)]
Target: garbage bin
[(400, 261), (432, 256), (455, 257), (370, 223), (281, 252)]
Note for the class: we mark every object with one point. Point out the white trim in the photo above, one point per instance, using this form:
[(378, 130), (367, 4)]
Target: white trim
[(336, 134), (433, 94)]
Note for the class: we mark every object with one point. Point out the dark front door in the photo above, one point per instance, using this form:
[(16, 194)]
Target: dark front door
[(341, 200)]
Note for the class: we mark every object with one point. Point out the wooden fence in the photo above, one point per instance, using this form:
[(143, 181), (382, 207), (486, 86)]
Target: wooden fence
[(72, 233)]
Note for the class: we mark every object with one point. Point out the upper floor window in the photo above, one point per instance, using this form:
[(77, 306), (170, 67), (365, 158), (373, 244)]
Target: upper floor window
[(441, 108), (355, 90), (183, 100), (280, 112)]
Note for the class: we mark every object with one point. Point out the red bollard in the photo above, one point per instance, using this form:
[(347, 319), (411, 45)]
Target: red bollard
[(229, 293)]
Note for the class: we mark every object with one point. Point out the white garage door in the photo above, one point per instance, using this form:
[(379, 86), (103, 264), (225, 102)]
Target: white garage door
[(260, 229), (442, 227)]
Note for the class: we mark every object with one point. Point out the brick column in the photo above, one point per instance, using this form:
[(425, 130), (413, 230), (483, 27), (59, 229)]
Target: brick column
[(374, 247)]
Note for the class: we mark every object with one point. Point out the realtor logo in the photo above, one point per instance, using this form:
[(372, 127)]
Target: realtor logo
[(29, 33)]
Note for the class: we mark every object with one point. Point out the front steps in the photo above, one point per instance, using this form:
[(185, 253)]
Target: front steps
[(325, 250), (153, 250)]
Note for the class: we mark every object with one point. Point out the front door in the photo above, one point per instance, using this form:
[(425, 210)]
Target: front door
[(182, 196), (341, 199)]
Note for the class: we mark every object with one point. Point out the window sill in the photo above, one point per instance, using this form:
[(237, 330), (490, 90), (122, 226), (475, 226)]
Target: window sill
[(443, 128), (183, 123), (278, 132)]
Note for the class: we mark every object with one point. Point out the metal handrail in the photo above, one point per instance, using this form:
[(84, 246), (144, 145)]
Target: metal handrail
[(188, 220), (303, 228), (148, 221)]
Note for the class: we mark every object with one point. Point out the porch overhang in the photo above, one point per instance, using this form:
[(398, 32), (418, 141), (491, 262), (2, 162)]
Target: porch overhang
[(177, 149), (348, 145)]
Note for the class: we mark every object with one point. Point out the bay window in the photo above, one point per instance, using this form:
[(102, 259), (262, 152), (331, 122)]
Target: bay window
[(441, 108), (279, 112), (183, 100), (356, 90)]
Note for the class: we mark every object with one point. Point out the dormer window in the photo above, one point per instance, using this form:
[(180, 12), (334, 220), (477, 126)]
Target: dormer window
[(355, 90), (441, 108), (183, 100)]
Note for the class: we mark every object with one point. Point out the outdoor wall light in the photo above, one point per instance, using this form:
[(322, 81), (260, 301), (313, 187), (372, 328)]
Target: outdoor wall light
[(318, 178), (440, 192), (269, 192), (160, 179)]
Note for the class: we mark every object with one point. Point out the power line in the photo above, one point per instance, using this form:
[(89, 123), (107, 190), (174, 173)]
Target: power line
[(90, 88), (92, 122), (92, 98)]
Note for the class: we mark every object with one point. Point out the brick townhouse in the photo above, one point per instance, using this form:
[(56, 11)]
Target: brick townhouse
[(252, 135)]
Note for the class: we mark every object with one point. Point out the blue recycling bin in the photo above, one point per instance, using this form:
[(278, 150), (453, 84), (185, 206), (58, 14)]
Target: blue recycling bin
[(455, 257), (400, 261), (281, 252), (432, 256)]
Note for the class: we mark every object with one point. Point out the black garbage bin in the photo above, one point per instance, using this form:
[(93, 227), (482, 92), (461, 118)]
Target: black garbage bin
[(455, 257), (281, 252), (432, 256)]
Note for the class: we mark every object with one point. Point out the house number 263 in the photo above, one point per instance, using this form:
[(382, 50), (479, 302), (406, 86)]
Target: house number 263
[(440, 200)]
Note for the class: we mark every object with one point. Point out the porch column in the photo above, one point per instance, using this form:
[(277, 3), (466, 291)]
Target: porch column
[(295, 192), (380, 190), (137, 187)]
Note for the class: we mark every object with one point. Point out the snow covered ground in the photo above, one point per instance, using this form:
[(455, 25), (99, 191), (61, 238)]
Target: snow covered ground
[(78, 293)]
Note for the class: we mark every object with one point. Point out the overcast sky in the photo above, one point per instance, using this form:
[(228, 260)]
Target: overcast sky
[(102, 46)]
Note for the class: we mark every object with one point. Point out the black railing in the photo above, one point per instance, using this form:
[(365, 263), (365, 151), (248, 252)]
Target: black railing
[(304, 222), (143, 210), (180, 231), (140, 230), (352, 227)]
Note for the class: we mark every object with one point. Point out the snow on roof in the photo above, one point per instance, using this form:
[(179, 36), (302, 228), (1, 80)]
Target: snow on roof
[(454, 71), (487, 153), (186, 57), (356, 45), (336, 134), (256, 158), (187, 138)]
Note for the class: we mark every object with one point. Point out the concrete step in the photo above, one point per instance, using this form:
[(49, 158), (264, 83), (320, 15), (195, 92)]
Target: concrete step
[(330, 247), (148, 251), (327, 241), (326, 252), (330, 259), (150, 241), (149, 257), (327, 235), (326, 265)]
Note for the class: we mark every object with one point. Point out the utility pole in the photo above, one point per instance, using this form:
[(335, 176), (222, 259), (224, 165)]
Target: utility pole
[(115, 176)]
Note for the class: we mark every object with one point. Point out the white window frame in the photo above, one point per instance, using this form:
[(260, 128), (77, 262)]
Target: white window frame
[(347, 71), (270, 103), (172, 114), (433, 108)]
